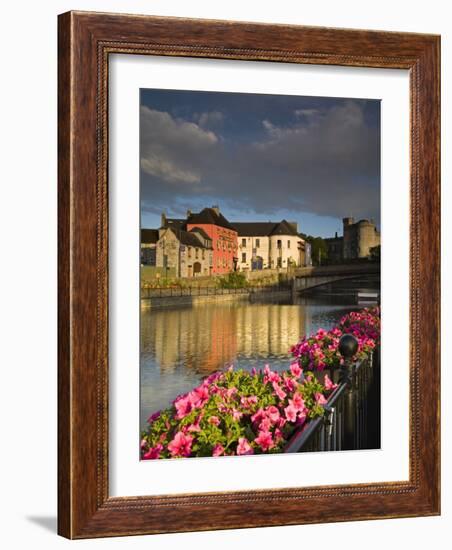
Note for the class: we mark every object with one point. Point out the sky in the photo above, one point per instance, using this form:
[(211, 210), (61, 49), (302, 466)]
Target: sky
[(259, 157)]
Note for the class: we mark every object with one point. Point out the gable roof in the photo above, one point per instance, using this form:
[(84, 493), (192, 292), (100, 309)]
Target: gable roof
[(201, 232), (209, 216), (285, 228), (188, 238), (264, 229), (149, 236), (254, 229)]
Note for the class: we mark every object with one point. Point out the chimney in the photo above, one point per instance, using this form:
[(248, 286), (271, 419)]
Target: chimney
[(335, 235), (216, 209), (294, 225), (189, 213), (347, 221), (163, 220)]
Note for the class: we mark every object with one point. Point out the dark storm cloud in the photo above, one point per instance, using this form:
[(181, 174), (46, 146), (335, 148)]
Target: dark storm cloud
[(325, 161)]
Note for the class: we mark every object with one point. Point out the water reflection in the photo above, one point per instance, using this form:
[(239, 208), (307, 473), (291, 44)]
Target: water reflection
[(179, 346)]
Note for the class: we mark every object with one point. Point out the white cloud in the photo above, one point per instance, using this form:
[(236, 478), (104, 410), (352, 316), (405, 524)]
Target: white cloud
[(171, 148)]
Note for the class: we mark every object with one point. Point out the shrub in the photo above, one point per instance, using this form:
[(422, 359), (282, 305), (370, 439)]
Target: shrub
[(235, 279)]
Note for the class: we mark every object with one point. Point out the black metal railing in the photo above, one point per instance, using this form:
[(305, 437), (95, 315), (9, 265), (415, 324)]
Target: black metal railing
[(352, 412)]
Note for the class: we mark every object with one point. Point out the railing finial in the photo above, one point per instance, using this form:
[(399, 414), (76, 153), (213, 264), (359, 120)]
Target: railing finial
[(348, 346)]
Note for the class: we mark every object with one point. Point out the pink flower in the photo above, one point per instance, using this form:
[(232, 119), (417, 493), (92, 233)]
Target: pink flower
[(231, 392), (290, 385), (258, 416), (270, 375), (295, 369), (236, 415), (264, 440), (199, 396), (248, 401), (244, 448), (218, 450), (320, 399), (291, 413), (272, 413), (183, 407), (214, 420), (297, 402), (195, 427), (278, 391), (180, 445), (153, 453), (153, 416), (213, 377), (265, 424), (301, 418), (327, 382)]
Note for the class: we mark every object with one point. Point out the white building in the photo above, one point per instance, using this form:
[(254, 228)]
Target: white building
[(267, 245)]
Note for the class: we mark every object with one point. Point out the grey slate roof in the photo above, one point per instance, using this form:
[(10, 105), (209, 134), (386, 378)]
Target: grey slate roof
[(264, 229), (201, 232), (209, 216), (189, 239)]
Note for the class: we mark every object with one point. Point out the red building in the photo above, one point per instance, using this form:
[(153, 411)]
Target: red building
[(223, 235)]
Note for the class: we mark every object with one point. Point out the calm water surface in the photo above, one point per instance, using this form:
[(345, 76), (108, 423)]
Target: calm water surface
[(179, 346)]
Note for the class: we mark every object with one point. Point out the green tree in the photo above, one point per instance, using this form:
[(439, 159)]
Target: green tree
[(319, 249)]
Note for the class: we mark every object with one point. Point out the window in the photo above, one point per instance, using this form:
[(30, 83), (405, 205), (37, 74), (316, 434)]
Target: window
[(189, 252), (258, 243), (288, 244), (196, 252), (203, 254), (243, 257), (279, 243), (244, 242), (279, 262)]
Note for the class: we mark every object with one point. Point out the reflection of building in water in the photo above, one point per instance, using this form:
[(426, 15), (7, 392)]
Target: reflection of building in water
[(268, 330), (204, 339)]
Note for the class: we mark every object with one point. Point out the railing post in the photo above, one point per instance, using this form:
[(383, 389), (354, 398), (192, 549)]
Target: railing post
[(348, 346)]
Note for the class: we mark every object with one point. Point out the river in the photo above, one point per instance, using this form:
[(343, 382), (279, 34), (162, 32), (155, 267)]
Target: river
[(181, 345)]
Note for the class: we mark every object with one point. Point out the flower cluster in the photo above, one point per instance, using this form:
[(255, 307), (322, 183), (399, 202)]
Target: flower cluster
[(320, 350), (236, 413)]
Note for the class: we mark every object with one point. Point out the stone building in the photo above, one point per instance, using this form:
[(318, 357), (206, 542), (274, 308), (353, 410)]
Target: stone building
[(222, 234), (266, 245), (149, 238), (358, 240), (188, 252)]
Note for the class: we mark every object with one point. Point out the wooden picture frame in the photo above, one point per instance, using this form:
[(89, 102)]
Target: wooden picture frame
[(86, 40)]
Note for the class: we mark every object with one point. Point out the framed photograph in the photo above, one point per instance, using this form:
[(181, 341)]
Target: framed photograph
[(248, 275)]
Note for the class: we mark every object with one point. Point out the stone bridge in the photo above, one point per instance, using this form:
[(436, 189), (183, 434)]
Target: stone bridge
[(310, 277)]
